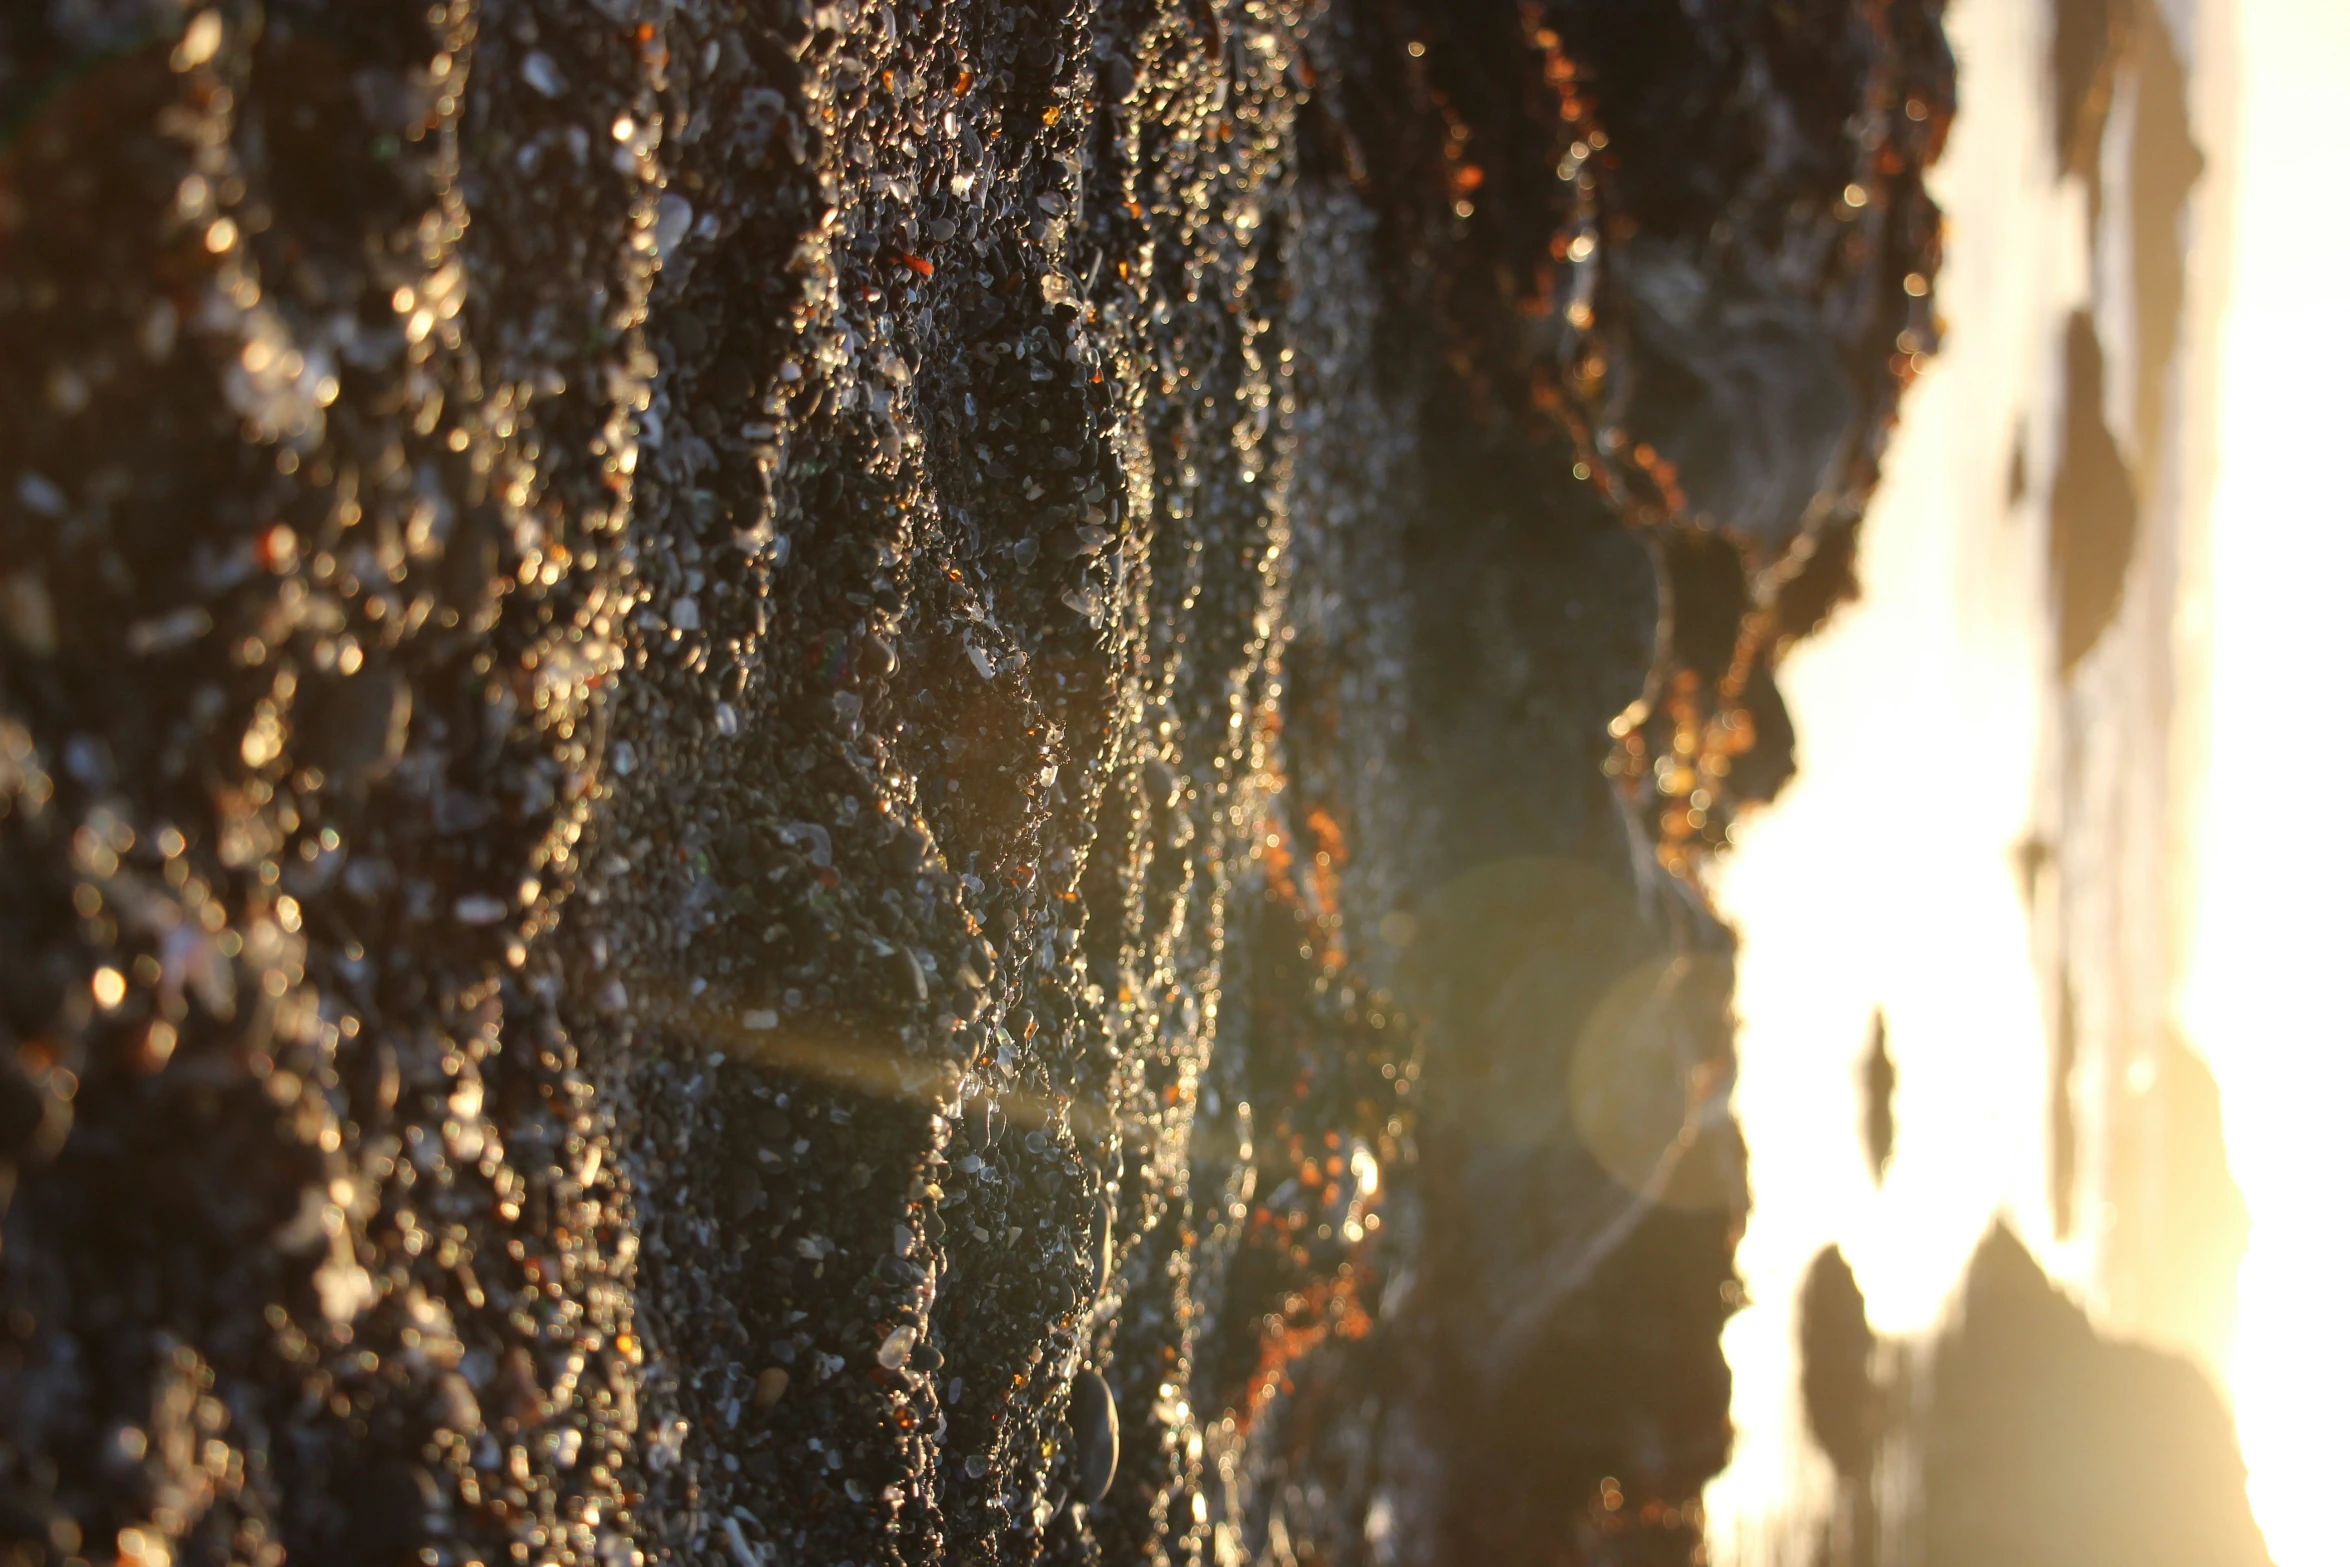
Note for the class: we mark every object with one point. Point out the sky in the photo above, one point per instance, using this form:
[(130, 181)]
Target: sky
[(2263, 993)]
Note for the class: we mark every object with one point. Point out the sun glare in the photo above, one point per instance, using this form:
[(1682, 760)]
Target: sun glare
[(1884, 878), (2261, 994), (1931, 683)]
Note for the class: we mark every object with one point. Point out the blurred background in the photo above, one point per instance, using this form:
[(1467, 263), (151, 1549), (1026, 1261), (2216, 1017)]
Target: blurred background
[(2089, 1011)]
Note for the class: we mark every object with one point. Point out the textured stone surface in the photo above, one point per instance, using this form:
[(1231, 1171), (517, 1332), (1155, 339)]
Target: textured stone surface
[(733, 734)]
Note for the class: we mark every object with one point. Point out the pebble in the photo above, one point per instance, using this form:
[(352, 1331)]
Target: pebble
[(166, 632), (1093, 1425), (455, 1406), (812, 840), (1105, 1239), (39, 493), (673, 219), (544, 76), (366, 719), (27, 616)]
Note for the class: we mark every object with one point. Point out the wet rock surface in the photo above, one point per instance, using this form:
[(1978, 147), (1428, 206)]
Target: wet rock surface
[(906, 782)]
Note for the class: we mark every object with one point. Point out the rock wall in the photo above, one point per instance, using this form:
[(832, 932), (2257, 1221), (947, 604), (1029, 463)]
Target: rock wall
[(904, 783)]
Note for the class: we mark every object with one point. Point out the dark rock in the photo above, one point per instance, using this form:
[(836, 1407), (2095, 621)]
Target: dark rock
[(395, 1509), (363, 721), (30, 1519), (1740, 389), (760, 445)]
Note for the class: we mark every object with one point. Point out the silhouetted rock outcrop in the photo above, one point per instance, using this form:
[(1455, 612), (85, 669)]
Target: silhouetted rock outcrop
[(1877, 1080), (2049, 1445), (2165, 166), (2085, 42), (2092, 505), (1840, 1398)]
